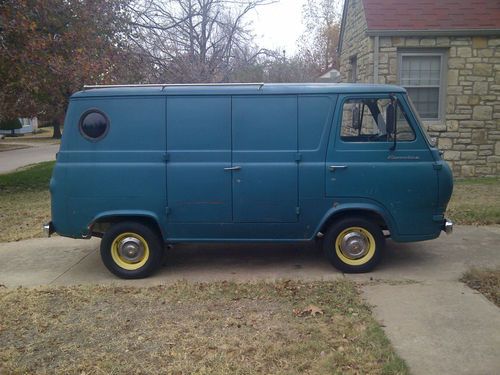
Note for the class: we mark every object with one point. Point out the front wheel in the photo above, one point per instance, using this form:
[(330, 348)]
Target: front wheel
[(354, 245), (131, 250)]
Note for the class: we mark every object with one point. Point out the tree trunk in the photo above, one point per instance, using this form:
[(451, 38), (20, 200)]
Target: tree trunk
[(57, 129)]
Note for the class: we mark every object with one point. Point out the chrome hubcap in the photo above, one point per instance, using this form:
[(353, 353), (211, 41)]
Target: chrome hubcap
[(354, 245), (131, 249)]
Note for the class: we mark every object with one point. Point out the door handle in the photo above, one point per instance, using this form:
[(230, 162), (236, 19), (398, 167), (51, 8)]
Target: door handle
[(235, 168), (335, 167)]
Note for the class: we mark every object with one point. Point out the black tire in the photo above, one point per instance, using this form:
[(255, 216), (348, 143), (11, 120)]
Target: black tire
[(370, 235), (148, 241)]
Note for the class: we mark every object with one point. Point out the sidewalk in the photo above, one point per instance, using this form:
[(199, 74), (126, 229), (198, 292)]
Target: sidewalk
[(439, 327), (436, 323)]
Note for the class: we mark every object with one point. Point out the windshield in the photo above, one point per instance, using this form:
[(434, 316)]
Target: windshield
[(419, 120)]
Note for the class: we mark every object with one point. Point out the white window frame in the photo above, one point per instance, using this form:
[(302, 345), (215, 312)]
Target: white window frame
[(442, 78)]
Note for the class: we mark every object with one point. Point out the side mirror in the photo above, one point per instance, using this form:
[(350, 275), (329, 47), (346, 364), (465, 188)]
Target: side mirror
[(356, 121), (390, 118)]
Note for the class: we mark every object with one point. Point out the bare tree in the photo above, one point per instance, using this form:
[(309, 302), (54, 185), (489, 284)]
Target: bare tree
[(194, 40), (318, 45)]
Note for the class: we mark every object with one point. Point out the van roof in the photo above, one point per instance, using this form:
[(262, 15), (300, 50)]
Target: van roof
[(234, 89)]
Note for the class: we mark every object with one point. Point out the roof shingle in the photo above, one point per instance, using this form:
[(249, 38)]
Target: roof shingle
[(432, 14)]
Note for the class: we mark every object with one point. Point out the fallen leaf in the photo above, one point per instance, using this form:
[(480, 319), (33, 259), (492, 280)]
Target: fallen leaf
[(311, 310), (314, 310)]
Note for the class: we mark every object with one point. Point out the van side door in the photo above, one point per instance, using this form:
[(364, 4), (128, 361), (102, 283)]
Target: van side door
[(198, 151), (264, 159), (364, 165)]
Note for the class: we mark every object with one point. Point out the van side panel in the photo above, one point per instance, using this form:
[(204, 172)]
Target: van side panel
[(315, 120), (267, 139), (199, 148), (124, 171), (242, 166), (264, 130)]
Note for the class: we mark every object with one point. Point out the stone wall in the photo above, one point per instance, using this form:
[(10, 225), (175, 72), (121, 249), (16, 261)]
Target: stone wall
[(356, 43), (469, 135), (470, 132)]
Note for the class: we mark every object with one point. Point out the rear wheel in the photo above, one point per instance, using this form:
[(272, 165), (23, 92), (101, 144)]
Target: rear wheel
[(131, 250), (354, 244)]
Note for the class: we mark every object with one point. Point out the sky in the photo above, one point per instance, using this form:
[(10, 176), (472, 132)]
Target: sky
[(278, 25)]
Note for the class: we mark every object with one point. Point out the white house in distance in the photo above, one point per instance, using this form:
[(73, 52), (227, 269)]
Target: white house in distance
[(29, 125)]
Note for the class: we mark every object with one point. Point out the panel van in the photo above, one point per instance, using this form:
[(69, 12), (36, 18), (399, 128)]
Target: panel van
[(345, 165)]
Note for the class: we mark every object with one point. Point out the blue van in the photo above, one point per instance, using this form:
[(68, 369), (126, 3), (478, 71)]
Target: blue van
[(345, 165)]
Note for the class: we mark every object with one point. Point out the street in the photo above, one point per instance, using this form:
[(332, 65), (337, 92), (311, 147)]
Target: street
[(37, 152)]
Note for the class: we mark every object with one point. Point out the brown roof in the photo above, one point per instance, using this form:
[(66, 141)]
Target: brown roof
[(432, 14)]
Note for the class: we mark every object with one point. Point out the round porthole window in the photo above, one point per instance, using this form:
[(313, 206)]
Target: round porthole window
[(94, 125)]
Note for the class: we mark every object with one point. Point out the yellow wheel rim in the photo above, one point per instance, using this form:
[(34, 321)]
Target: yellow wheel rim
[(355, 246), (130, 251)]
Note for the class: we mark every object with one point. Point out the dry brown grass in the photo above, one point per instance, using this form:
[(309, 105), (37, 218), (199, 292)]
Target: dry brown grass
[(219, 328), (43, 135), (25, 202), (5, 146), (486, 281), (23, 214), (475, 201)]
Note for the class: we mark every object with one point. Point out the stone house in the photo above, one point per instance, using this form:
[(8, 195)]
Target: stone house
[(447, 55)]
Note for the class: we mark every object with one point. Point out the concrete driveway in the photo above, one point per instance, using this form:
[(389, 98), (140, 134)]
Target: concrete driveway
[(35, 153), (438, 325)]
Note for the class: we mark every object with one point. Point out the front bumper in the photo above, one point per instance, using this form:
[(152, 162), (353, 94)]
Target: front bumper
[(447, 226), (48, 229)]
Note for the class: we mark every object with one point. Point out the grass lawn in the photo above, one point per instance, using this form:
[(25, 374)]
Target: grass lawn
[(43, 135), (486, 281), (218, 328), (25, 202), (475, 201), (25, 206)]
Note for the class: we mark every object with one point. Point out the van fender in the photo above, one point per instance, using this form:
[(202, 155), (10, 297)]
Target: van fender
[(357, 209), (118, 215)]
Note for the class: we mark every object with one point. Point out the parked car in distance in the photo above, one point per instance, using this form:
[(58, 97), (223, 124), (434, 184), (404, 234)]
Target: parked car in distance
[(346, 165)]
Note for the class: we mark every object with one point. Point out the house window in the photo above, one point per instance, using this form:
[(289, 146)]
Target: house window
[(421, 73), (353, 73)]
